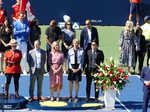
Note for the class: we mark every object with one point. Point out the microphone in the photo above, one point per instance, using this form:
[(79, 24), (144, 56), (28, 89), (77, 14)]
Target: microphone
[(3, 88)]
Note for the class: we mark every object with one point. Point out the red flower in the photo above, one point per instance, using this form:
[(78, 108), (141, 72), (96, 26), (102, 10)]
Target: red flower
[(121, 70), (100, 74), (111, 83), (112, 88), (97, 83), (111, 72), (113, 79), (117, 75), (105, 67), (104, 82), (108, 75), (97, 87), (105, 87), (111, 65), (125, 77)]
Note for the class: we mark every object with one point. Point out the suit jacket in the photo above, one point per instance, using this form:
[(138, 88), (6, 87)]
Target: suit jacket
[(88, 58), (84, 37), (32, 61), (142, 44), (145, 76)]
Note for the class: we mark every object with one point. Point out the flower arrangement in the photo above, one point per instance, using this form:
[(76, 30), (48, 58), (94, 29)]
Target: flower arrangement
[(110, 75)]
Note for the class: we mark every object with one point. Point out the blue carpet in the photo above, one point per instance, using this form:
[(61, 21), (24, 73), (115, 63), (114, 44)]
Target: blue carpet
[(130, 99)]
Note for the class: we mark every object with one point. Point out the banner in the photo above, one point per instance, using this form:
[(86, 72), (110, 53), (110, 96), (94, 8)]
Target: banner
[(26, 7)]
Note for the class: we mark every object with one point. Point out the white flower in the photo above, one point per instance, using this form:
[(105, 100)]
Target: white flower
[(111, 58), (120, 81)]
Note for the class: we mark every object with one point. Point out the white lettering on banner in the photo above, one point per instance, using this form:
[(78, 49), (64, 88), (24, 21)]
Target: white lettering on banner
[(75, 25), (96, 20)]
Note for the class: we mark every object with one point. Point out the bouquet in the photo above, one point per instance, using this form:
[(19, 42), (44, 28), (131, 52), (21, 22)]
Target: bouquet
[(110, 75)]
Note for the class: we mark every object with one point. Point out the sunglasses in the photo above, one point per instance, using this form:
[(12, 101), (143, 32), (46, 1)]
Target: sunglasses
[(93, 44), (87, 24), (68, 24)]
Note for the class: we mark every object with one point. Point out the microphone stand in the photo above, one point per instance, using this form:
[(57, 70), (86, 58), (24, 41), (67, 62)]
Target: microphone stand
[(3, 90)]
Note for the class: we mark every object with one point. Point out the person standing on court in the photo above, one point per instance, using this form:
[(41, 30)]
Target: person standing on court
[(35, 33), (6, 33), (68, 34), (21, 31), (12, 60), (52, 33), (88, 34), (75, 62), (146, 33), (2, 13), (15, 10), (36, 61), (93, 57), (135, 9), (145, 78), (56, 61), (127, 46), (140, 53)]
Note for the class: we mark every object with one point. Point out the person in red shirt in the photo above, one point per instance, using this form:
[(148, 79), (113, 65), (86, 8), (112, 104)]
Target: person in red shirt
[(2, 13), (15, 10), (135, 9), (12, 60)]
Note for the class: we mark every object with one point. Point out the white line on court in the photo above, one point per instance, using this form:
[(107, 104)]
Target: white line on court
[(123, 105)]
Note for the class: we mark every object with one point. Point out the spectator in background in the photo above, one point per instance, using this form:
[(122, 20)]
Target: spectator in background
[(145, 79), (93, 57), (56, 61), (68, 34), (146, 33), (2, 13), (135, 8), (6, 32), (126, 46), (75, 62), (36, 61), (21, 32), (140, 53), (12, 60), (52, 33), (88, 34), (15, 10), (35, 33)]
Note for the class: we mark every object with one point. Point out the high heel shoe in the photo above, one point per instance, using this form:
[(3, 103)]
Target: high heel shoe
[(57, 99), (52, 99)]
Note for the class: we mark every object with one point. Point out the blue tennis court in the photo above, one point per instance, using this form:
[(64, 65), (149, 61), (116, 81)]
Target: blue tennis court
[(130, 99)]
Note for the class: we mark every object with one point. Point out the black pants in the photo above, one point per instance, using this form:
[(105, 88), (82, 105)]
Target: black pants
[(16, 79), (88, 83), (48, 50), (140, 57)]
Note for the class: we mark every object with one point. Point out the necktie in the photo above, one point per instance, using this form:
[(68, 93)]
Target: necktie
[(93, 59)]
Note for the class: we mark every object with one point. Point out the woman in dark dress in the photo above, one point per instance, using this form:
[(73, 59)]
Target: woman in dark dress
[(5, 36), (35, 33), (68, 34), (140, 53), (75, 63)]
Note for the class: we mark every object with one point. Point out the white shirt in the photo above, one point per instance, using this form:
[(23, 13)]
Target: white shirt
[(38, 58), (89, 35)]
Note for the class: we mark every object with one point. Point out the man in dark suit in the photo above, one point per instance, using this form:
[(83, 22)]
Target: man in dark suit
[(145, 78), (88, 34), (36, 61), (93, 57)]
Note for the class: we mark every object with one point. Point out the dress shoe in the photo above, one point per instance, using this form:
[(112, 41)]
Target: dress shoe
[(96, 100), (87, 99), (24, 72), (31, 99), (40, 99), (52, 99)]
